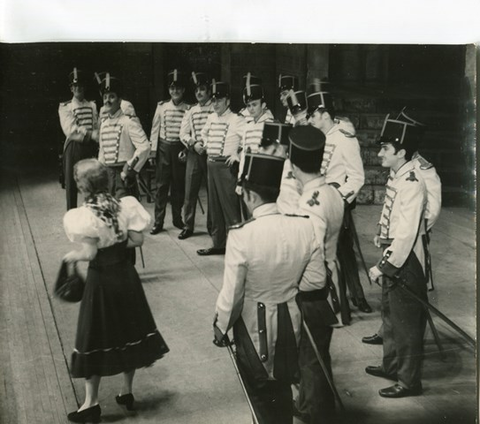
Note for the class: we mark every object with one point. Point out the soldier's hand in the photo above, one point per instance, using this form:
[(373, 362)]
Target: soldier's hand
[(376, 241), (232, 159), (374, 273), (239, 190), (198, 148)]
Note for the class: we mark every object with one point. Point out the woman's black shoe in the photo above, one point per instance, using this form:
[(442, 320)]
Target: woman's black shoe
[(126, 400), (89, 415)]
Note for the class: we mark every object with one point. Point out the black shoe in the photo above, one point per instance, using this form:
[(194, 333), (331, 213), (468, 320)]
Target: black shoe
[(211, 251), (373, 340), (89, 415), (126, 400), (379, 372), (397, 391), (157, 228), (364, 306), (185, 234), (302, 416), (179, 224)]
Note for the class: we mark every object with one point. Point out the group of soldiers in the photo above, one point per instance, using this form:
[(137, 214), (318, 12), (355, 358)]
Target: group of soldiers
[(280, 197)]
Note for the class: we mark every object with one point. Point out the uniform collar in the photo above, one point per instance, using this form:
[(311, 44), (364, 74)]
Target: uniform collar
[(265, 209), (117, 114), (406, 167), (315, 183), (225, 113), (207, 103), (263, 118), (78, 102), (174, 105)]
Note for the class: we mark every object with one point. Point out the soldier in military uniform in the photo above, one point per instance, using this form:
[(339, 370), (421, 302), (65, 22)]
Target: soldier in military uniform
[(400, 232), (250, 80), (432, 210), (79, 122), (260, 287), (343, 168), (221, 137), (324, 205), (165, 140), (125, 105), (124, 146), (191, 136)]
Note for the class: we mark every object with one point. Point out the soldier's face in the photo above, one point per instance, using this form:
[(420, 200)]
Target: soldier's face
[(283, 98), (111, 101), (388, 157), (202, 93), (256, 108), (317, 119), (220, 105), (176, 93), (78, 91)]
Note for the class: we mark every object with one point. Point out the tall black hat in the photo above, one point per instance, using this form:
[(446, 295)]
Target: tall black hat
[(307, 144), (176, 78), (275, 132), (263, 170), (319, 100), (319, 85), (252, 92), (297, 101), (199, 78), (251, 79), (76, 77), (287, 82), (111, 84), (220, 89), (403, 132)]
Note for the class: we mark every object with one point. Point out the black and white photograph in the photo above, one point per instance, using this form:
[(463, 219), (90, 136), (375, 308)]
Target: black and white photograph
[(245, 216)]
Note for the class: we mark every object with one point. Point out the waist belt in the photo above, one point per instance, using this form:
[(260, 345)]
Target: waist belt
[(217, 158), (162, 140)]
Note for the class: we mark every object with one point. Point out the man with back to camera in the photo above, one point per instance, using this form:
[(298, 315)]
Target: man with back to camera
[(221, 137), (166, 146), (268, 260), (191, 136), (79, 122), (400, 231), (324, 205)]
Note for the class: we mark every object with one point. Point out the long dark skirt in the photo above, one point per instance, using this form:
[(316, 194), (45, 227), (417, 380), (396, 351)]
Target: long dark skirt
[(116, 331)]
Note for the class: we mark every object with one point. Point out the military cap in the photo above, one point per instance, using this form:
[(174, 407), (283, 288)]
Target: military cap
[(287, 82), (319, 85), (307, 144), (220, 89), (319, 100), (297, 101), (275, 132), (76, 77), (176, 78), (263, 170), (402, 116), (111, 84), (251, 79), (252, 92), (199, 78), (405, 134)]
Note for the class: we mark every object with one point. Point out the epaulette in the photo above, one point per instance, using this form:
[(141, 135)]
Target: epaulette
[(412, 176), (346, 133), (161, 103), (298, 216), (290, 176), (424, 164), (66, 103), (237, 226)]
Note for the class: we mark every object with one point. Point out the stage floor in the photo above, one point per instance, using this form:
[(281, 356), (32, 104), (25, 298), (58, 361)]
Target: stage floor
[(196, 382)]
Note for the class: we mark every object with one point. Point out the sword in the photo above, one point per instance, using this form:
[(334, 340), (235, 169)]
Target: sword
[(323, 366), (240, 379), (401, 283), (357, 243)]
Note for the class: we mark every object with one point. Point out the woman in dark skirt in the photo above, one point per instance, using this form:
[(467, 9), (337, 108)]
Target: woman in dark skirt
[(116, 331)]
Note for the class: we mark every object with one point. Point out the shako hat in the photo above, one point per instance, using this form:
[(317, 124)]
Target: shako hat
[(251, 79), (199, 78), (76, 77), (176, 78), (307, 144), (220, 89), (287, 82), (319, 100), (275, 132), (110, 84), (403, 131), (297, 101), (263, 170), (252, 92)]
